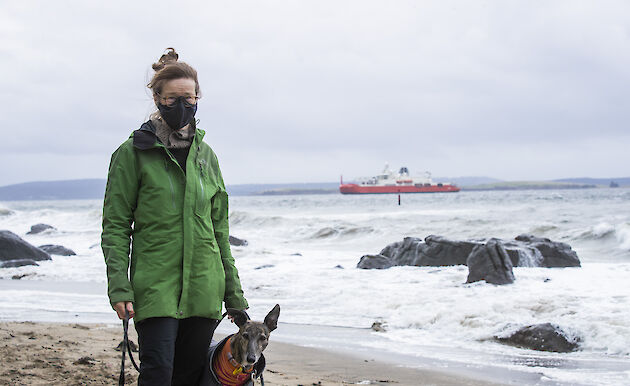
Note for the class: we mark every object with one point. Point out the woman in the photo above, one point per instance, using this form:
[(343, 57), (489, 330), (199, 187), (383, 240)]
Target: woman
[(165, 193)]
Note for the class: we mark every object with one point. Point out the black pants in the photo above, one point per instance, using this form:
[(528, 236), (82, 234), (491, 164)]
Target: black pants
[(173, 351)]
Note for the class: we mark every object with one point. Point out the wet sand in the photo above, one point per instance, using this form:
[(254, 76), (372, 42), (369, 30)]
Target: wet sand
[(84, 354)]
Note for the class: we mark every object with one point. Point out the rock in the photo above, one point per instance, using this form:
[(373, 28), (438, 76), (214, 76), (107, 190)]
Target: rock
[(374, 262), (39, 228), (542, 337), (265, 266), (235, 241), (12, 247), (134, 347), (523, 251), (391, 249), (57, 250), (554, 253), (490, 262), (17, 263), (378, 327), (338, 266), (21, 276), (441, 251), (87, 360), (433, 251)]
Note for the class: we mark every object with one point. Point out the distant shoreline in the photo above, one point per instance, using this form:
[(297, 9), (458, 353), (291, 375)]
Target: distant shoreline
[(94, 188)]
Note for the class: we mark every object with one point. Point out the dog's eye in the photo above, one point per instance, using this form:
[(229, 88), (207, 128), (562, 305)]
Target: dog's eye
[(262, 338), (246, 336)]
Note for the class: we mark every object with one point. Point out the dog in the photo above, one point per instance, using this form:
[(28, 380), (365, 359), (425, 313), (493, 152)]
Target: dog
[(238, 358)]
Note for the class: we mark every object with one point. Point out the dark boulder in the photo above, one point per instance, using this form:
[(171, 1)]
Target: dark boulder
[(432, 251), (441, 251), (490, 262), (554, 253), (391, 249), (403, 253), (374, 262), (235, 241), (57, 250), (21, 276), (524, 251), (12, 247), (17, 263), (542, 337), (522, 254), (39, 228)]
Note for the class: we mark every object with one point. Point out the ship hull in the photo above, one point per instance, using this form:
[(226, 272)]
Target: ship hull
[(362, 189)]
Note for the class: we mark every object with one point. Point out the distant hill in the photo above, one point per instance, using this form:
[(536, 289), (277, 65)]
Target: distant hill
[(622, 181), (95, 188), (466, 181), (275, 189), (54, 190), (528, 185)]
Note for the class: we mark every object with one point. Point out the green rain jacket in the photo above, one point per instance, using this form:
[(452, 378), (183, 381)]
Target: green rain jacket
[(181, 264)]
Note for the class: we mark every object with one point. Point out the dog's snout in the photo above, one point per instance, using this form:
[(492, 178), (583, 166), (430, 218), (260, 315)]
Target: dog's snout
[(251, 358)]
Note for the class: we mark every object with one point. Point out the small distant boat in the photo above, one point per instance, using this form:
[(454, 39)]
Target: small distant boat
[(402, 182)]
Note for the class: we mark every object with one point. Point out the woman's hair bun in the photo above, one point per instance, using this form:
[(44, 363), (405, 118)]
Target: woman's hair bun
[(169, 57)]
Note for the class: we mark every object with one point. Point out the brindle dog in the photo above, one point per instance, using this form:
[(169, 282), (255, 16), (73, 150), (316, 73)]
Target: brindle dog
[(252, 338)]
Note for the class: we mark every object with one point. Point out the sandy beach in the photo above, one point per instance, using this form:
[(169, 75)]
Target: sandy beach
[(84, 354)]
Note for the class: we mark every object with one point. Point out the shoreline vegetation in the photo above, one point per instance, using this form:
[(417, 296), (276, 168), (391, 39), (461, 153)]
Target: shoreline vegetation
[(95, 188), (70, 353)]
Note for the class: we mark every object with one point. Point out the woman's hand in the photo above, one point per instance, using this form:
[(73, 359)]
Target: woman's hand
[(120, 309)]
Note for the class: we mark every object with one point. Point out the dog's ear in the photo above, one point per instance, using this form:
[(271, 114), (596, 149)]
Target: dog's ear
[(240, 317), (271, 320)]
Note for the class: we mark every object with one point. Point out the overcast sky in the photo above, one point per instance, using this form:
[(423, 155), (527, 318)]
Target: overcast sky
[(303, 91)]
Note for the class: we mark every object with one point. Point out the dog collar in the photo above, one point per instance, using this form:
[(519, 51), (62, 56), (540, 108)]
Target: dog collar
[(238, 368)]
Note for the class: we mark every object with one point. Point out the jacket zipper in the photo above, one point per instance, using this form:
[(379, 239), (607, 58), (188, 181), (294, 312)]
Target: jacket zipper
[(201, 163), (170, 180)]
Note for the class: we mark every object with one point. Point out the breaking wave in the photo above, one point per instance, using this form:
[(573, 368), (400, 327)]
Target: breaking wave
[(246, 219), (341, 231), (600, 231)]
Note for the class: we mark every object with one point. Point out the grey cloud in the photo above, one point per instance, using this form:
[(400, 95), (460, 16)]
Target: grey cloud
[(308, 90)]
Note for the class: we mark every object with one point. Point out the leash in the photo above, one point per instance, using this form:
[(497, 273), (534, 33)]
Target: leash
[(262, 381), (126, 346)]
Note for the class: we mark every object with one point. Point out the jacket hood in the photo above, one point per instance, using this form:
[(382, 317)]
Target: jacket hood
[(145, 137)]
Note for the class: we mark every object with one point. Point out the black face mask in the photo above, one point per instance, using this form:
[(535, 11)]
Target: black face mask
[(179, 114)]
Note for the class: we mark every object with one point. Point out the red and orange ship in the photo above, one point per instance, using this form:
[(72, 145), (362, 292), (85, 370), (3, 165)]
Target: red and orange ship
[(389, 182)]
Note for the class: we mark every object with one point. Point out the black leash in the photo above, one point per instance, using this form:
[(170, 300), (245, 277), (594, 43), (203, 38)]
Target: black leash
[(262, 381), (126, 346)]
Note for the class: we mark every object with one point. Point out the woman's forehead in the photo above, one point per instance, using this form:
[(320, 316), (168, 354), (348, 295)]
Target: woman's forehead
[(179, 86)]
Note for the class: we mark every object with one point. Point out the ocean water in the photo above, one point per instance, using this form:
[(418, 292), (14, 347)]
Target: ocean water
[(303, 251)]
